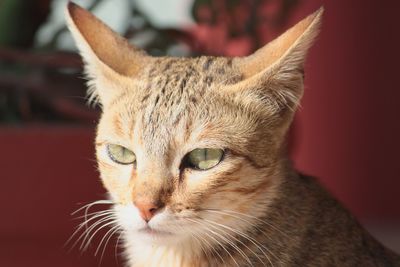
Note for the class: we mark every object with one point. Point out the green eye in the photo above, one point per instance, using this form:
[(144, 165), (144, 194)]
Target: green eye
[(204, 158), (120, 154)]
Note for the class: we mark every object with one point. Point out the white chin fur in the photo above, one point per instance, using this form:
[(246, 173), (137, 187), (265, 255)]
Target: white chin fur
[(163, 228)]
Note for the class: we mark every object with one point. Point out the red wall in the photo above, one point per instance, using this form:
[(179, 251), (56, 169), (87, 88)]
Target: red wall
[(45, 173), (348, 130), (347, 134)]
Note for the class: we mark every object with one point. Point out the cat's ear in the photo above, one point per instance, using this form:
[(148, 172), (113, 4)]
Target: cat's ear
[(275, 72), (106, 54)]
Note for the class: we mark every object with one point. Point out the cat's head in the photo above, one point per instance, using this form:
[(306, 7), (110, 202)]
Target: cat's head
[(187, 144)]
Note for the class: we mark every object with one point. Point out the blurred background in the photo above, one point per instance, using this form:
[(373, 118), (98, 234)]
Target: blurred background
[(347, 132)]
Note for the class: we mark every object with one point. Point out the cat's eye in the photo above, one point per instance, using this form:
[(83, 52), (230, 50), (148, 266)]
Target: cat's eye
[(204, 158), (120, 154)]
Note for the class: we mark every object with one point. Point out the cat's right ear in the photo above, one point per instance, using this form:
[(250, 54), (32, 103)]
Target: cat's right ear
[(273, 75), (110, 61)]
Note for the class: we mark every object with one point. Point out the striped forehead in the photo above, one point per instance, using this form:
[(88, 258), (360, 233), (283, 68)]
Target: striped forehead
[(173, 88)]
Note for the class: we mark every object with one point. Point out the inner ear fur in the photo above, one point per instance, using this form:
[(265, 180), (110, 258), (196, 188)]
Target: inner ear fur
[(293, 44), (97, 41), (111, 63), (275, 72)]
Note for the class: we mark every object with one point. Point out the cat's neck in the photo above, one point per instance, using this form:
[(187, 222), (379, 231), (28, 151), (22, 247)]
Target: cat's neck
[(146, 255)]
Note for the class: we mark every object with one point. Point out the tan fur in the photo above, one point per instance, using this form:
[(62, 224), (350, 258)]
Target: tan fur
[(252, 209)]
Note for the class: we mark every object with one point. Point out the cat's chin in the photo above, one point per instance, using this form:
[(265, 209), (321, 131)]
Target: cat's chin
[(154, 232), (153, 236)]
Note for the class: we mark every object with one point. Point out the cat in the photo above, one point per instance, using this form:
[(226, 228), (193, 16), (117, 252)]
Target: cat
[(192, 153)]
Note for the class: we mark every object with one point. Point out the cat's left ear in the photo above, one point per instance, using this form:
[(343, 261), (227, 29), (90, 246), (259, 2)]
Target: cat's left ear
[(110, 61), (274, 74)]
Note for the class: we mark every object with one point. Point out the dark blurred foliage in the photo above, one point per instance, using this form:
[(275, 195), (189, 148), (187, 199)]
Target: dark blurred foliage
[(236, 27), (19, 21), (41, 84)]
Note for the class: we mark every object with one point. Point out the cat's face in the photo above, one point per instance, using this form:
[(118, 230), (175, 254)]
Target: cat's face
[(172, 111), (189, 148)]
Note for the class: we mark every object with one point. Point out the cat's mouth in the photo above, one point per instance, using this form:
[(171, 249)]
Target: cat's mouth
[(154, 232)]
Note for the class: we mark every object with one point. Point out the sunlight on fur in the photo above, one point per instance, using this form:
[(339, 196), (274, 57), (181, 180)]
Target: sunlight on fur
[(192, 153)]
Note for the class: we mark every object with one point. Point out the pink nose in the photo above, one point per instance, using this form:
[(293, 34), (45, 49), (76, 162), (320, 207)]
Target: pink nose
[(147, 209)]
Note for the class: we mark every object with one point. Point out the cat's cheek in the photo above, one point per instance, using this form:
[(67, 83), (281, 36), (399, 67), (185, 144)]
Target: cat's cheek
[(115, 177), (129, 218), (117, 184)]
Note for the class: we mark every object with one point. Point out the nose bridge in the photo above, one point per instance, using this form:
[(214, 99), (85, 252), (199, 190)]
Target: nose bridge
[(151, 185), (151, 191)]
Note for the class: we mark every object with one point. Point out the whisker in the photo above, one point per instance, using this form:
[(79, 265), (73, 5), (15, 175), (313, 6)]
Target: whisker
[(252, 224), (239, 218), (239, 241), (84, 224), (255, 218), (199, 241), (95, 232), (208, 245), (85, 216), (85, 234), (114, 230), (110, 232), (219, 255), (116, 246), (93, 213), (216, 240), (79, 228), (244, 235), (91, 204)]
